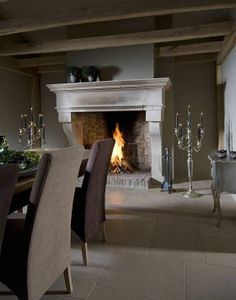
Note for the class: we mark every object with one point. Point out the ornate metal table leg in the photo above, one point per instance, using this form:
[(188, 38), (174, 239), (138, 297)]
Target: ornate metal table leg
[(214, 197), (218, 224)]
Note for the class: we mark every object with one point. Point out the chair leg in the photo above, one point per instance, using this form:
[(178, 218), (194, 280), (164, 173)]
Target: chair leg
[(68, 280), (218, 224), (85, 253)]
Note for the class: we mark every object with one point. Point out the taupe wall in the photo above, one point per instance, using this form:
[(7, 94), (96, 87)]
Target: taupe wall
[(117, 63), (55, 136), (193, 84), (14, 100)]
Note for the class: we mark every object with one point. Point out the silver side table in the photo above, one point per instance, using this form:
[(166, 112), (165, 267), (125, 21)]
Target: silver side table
[(223, 172)]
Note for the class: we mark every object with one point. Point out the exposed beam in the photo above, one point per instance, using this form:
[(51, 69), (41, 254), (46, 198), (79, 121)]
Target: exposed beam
[(41, 61), (197, 48), (140, 38), (229, 43), (114, 10), (196, 58), (10, 64)]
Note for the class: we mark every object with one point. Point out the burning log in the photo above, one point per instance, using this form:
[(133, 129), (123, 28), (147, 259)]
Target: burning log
[(118, 163)]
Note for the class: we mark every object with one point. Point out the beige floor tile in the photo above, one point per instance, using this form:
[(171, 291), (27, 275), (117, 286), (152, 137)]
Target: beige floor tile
[(148, 200), (221, 252), (178, 237), (226, 231), (84, 279), (115, 197), (104, 293), (128, 243), (207, 282), (131, 223), (156, 277)]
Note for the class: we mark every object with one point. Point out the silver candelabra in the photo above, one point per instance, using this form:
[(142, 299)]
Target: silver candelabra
[(33, 135), (185, 142)]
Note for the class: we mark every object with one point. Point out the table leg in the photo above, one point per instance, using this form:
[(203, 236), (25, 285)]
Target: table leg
[(218, 224), (213, 191)]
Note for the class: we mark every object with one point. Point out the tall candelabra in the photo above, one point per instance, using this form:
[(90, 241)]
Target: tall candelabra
[(185, 142), (32, 134)]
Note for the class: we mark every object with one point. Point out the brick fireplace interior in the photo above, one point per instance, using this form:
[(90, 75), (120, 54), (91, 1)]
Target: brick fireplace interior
[(91, 126)]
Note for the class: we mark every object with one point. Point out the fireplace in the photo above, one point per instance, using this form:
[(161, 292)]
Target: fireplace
[(89, 111)]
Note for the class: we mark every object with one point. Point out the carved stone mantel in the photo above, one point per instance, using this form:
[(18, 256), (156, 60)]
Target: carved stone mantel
[(127, 95)]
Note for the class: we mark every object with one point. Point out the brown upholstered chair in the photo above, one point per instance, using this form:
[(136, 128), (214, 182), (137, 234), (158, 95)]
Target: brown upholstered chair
[(36, 250), (88, 213), (8, 179)]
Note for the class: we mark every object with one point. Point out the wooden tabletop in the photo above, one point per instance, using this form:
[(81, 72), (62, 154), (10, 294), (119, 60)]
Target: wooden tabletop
[(24, 184)]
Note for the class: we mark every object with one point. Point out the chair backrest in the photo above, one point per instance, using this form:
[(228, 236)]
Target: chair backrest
[(8, 179), (48, 220), (94, 185)]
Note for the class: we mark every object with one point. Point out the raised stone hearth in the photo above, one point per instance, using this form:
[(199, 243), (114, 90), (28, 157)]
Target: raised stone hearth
[(146, 95)]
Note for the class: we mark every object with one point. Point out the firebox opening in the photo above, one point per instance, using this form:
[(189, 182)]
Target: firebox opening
[(92, 126)]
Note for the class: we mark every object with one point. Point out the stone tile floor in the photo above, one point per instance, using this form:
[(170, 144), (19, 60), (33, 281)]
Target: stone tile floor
[(159, 246)]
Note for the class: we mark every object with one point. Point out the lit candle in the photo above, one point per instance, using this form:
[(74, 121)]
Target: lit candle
[(40, 120), (201, 119), (177, 121), (31, 114), (180, 131), (43, 126)]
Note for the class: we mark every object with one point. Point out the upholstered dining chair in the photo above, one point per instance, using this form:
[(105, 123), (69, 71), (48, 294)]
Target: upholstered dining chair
[(8, 179), (88, 214), (36, 250)]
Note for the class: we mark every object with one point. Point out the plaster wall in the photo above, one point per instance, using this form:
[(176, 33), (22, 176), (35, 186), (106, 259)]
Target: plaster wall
[(55, 136), (192, 84), (14, 100)]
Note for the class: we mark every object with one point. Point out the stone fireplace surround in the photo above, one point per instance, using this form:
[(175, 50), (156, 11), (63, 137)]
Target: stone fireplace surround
[(108, 96)]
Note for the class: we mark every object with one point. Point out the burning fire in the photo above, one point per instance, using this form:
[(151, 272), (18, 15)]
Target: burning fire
[(118, 163), (117, 154)]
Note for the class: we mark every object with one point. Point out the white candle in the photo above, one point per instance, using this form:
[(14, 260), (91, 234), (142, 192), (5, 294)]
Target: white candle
[(177, 121), (21, 121)]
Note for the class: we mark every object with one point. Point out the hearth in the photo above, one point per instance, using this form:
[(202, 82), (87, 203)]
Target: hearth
[(90, 111)]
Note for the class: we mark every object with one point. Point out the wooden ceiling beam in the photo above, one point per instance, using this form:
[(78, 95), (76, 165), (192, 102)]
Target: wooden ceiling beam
[(41, 61), (116, 10), (10, 64), (196, 58), (196, 48), (229, 43), (129, 39)]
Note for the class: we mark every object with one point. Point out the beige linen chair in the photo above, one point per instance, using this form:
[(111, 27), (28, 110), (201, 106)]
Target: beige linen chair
[(36, 251), (88, 213), (8, 179)]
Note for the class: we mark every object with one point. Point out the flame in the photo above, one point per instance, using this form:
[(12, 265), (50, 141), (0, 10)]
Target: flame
[(117, 154)]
